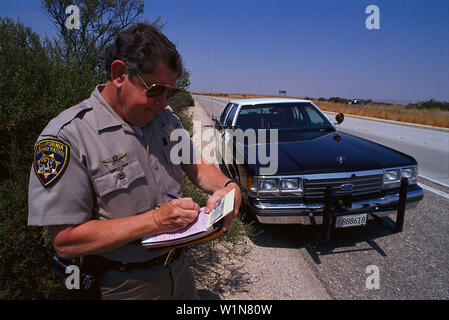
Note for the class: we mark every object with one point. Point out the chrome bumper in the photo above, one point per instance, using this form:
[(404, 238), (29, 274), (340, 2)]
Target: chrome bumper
[(311, 213)]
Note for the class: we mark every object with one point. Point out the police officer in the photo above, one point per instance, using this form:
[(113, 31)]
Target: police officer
[(102, 171)]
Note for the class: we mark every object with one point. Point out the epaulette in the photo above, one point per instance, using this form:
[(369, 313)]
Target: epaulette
[(65, 117)]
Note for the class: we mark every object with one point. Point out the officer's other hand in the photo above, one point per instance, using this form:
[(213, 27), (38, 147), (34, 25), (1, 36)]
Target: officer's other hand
[(176, 214), (220, 193)]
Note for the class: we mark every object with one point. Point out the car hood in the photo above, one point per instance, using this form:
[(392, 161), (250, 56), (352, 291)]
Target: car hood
[(326, 152)]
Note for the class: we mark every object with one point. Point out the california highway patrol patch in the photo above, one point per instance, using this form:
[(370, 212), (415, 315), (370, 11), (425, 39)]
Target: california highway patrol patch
[(50, 160)]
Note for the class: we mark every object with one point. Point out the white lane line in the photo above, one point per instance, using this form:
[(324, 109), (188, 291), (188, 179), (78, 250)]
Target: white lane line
[(438, 192), (435, 181)]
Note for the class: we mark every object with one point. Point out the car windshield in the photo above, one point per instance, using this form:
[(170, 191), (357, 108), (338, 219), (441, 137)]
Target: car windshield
[(289, 116)]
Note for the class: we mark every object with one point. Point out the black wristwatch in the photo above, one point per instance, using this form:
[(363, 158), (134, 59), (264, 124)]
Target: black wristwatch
[(230, 181)]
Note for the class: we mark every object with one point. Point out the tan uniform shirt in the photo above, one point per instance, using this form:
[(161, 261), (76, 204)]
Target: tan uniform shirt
[(111, 169)]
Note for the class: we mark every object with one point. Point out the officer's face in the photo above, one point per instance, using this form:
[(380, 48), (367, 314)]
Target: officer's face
[(137, 108)]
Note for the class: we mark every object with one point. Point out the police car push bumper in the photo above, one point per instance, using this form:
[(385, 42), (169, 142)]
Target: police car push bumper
[(312, 213)]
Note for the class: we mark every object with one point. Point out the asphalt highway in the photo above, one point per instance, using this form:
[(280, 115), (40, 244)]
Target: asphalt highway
[(408, 265), (428, 146)]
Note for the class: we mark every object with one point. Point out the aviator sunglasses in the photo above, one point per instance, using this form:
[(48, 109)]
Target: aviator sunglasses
[(157, 89)]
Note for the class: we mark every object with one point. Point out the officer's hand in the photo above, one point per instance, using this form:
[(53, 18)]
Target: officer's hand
[(176, 214), (220, 193)]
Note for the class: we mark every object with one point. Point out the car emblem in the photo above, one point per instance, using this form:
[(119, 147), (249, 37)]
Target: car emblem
[(346, 187), (340, 159)]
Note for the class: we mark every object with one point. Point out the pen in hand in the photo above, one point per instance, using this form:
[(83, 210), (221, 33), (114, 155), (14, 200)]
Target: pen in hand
[(175, 197), (171, 196)]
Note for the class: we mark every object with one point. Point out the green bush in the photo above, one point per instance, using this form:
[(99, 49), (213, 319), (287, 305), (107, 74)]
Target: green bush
[(180, 101), (338, 100), (430, 104), (35, 85)]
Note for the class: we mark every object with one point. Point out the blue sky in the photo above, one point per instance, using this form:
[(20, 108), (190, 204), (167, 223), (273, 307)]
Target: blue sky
[(318, 48)]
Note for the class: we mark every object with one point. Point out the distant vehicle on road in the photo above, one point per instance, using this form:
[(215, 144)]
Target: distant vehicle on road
[(359, 102), (324, 176)]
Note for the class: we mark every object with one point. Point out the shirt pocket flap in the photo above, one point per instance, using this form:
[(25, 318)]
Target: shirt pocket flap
[(119, 178)]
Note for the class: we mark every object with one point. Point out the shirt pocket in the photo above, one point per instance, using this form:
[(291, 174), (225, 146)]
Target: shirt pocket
[(119, 178)]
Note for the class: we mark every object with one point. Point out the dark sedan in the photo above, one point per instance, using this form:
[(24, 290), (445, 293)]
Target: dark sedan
[(294, 166)]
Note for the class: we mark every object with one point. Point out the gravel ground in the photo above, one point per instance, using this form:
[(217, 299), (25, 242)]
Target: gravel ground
[(266, 269)]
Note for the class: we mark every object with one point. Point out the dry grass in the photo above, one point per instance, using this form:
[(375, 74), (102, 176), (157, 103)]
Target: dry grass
[(431, 117)]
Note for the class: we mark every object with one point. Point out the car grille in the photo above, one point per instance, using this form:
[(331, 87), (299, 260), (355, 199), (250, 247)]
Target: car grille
[(314, 189)]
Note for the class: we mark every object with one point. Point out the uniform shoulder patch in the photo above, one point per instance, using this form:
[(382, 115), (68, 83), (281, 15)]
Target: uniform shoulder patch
[(51, 157)]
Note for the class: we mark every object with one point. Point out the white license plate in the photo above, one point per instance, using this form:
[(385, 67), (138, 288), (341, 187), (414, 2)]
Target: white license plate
[(351, 221)]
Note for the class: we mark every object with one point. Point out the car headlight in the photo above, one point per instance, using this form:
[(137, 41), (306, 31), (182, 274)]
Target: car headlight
[(410, 173), (391, 176), (291, 184), (267, 185), (276, 185)]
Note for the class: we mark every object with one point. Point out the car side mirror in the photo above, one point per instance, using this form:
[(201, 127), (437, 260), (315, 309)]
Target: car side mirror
[(339, 118)]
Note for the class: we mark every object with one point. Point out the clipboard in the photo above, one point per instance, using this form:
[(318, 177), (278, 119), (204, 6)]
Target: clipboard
[(207, 227)]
